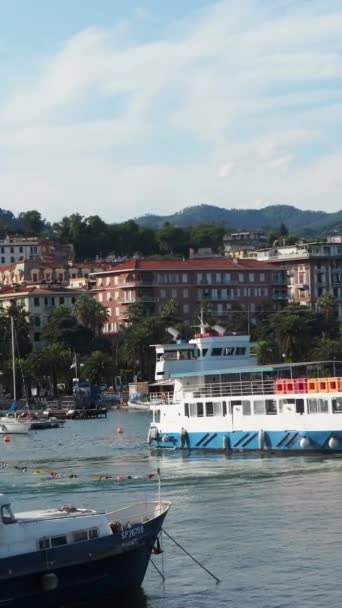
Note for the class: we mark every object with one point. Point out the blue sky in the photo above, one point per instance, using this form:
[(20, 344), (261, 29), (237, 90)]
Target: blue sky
[(127, 108)]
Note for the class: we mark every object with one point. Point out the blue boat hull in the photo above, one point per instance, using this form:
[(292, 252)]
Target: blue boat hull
[(263, 441), (100, 568)]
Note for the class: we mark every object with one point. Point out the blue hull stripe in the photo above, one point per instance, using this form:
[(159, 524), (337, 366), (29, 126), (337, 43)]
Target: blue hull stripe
[(279, 445), (291, 440), (249, 439), (203, 438), (204, 445), (241, 440)]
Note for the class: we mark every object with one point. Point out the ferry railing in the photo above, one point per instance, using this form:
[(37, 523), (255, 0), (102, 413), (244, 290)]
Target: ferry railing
[(216, 389)]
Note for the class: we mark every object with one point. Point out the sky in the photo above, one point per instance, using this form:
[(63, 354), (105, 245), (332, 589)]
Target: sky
[(126, 108)]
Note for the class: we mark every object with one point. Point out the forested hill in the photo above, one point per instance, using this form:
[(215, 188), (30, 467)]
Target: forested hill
[(296, 220)]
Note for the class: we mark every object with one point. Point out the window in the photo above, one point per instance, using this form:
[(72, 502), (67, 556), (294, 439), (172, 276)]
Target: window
[(2, 249), (44, 543), (185, 293), (36, 337), (218, 277), (286, 406), (21, 250), (259, 407), (251, 277), (227, 277), (300, 406), (185, 308), (262, 277), (117, 311), (100, 296), (12, 249), (271, 407), (73, 300), (108, 296), (184, 277), (174, 293), (224, 408), (79, 536), (58, 541), (200, 410), (12, 260), (246, 408), (107, 281), (37, 321), (61, 300), (7, 515), (93, 533), (162, 293), (241, 277), (240, 350), (209, 408), (216, 352), (337, 405), (2, 260), (36, 301), (186, 410)]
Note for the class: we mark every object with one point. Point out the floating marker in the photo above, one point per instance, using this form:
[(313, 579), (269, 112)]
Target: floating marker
[(7, 439), (119, 430)]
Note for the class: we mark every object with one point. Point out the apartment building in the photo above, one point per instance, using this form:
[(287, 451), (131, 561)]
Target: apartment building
[(313, 269), (73, 274), (234, 242), (38, 301), (17, 249), (219, 281)]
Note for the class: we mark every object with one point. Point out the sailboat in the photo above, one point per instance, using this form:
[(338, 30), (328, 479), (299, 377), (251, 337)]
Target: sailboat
[(9, 423)]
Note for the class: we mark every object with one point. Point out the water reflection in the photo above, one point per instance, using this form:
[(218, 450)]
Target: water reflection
[(133, 599)]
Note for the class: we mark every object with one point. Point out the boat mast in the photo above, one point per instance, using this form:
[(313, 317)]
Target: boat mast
[(13, 361)]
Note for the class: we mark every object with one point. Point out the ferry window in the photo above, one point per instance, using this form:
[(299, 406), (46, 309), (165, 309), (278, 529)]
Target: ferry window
[(7, 515), (323, 406), (224, 408), (157, 416), (337, 405), (217, 409), (93, 533), (204, 352), (227, 351), (259, 407), (58, 541), (193, 409), (200, 410), (186, 410), (209, 407), (216, 352), (286, 406), (300, 406), (271, 406), (44, 543), (240, 350), (246, 408), (312, 406), (79, 536)]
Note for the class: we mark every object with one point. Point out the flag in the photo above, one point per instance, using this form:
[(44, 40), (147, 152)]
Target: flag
[(74, 362)]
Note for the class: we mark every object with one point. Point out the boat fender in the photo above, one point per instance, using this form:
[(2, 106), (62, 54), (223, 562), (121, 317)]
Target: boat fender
[(333, 443), (50, 581), (184, 437), (261, 440), (153, 434), (226, 443), (304, 443)]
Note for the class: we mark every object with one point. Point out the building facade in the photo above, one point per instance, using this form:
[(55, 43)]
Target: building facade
[(219, 282), (234, 242), (38, 301), (313, 269), (73, 274), (17, 249)]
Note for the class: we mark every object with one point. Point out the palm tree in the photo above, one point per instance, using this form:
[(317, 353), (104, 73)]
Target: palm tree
[(54, 361), (97, 367), (90, 314)]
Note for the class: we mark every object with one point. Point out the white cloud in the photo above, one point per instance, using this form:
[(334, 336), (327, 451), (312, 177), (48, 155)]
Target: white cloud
[(251, 81)]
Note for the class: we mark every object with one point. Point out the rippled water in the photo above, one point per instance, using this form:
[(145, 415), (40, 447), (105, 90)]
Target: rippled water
[(269, 528)]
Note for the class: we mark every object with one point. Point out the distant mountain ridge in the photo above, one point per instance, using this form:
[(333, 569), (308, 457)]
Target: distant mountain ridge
[(271, 216)]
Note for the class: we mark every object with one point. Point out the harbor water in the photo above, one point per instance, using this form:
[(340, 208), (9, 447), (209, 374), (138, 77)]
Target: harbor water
[(268, 527)]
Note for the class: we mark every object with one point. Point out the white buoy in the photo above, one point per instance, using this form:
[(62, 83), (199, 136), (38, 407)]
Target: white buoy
[(333, 443), (304, 443)]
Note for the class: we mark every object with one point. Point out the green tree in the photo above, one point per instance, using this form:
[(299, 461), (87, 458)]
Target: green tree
[(327, 305), (63, 328), (327, 349), (54, 361), (31, 222), (22, 328), (98, 367), (265, 352), (172, 240), (90, 314), (207, 235)]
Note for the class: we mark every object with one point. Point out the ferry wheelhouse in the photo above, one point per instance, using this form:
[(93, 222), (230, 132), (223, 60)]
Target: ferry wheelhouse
[(219, 398)]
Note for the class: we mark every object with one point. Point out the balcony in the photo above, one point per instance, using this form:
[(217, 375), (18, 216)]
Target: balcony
[(130, 284)]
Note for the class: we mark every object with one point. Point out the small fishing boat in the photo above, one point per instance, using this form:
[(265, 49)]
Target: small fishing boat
[(46, 423), (139, 404), (58, 556)]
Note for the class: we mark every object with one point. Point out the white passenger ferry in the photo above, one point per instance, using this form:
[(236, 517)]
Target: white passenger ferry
[(211, 394)]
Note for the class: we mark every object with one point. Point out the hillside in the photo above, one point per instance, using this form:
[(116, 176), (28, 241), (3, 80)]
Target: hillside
[(297, 220)]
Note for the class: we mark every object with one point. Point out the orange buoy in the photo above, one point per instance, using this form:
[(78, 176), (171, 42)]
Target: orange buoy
[(6, 439), (119, 429)]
